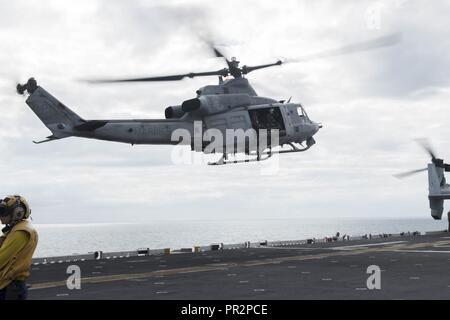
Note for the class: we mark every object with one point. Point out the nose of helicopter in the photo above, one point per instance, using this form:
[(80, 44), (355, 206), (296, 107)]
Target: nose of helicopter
[(317, 127)]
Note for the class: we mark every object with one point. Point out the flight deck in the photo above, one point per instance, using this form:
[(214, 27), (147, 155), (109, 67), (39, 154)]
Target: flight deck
[(412, 266)]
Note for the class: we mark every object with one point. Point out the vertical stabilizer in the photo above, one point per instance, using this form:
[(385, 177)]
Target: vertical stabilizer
[(55, 115)]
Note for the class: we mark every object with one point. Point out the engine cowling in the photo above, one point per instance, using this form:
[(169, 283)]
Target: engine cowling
[(174, 112), (212, 104)]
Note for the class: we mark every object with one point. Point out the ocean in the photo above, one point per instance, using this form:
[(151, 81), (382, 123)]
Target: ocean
[(66, 239)]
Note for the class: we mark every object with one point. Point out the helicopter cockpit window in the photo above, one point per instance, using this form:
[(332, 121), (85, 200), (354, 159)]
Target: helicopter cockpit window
[(268, 118), (302, 113)]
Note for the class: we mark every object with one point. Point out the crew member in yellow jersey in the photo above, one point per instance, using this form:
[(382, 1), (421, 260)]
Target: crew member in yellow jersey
[(17, 245)]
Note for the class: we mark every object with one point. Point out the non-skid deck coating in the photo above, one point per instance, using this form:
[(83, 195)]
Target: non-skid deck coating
[(411, 268)]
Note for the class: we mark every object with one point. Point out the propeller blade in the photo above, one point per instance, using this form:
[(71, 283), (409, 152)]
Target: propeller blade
[(248, 69), (409, 173), (381, 42), (222, 72), (426, 145)]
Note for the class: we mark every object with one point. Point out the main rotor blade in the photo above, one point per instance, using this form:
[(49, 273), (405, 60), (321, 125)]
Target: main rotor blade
[(207, 40), (248, 69), (426, 145), (219, 54), (222, 72), (381, 42), (409, 173)]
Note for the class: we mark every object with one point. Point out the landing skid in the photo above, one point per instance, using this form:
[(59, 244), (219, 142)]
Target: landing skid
[(295, 148), (260, 157), (223, 160)]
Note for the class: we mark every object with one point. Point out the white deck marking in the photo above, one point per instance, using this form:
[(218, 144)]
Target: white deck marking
[(366, 245), (289, 248), (259, 290), (220, 264), (423, 251), (138, 280)]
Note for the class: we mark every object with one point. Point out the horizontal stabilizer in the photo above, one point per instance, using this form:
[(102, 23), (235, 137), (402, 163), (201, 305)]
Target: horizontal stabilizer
[(49, 138), (90, 125)]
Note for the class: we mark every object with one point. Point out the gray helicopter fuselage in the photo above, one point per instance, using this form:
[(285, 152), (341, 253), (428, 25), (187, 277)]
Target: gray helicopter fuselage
[(231, 105)]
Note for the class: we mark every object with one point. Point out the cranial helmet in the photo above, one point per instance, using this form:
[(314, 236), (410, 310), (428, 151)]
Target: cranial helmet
[(16, 207)]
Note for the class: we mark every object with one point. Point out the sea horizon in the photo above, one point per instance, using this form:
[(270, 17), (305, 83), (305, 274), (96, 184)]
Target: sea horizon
[(59, 239)]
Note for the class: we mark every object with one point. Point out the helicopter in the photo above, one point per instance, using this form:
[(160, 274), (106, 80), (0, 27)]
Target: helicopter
[(438, 188), (231, 105)]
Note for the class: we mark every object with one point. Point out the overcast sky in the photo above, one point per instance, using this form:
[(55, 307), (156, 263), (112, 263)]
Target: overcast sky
[(372, 105)]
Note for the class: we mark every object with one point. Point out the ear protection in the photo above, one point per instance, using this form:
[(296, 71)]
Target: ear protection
[(15, 206)]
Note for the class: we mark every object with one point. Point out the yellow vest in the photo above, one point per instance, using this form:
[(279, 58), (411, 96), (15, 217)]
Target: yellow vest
[(18, 268)]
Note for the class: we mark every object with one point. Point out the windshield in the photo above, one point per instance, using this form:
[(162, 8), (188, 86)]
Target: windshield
[(301, 112)]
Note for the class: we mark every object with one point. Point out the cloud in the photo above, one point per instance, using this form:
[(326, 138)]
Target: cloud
[(372, 105)]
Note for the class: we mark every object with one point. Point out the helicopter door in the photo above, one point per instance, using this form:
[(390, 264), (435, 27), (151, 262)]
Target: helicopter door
[(230, 120), (268, 118)]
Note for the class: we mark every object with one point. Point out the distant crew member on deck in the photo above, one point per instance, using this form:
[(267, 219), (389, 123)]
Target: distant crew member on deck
[(17, 245)]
